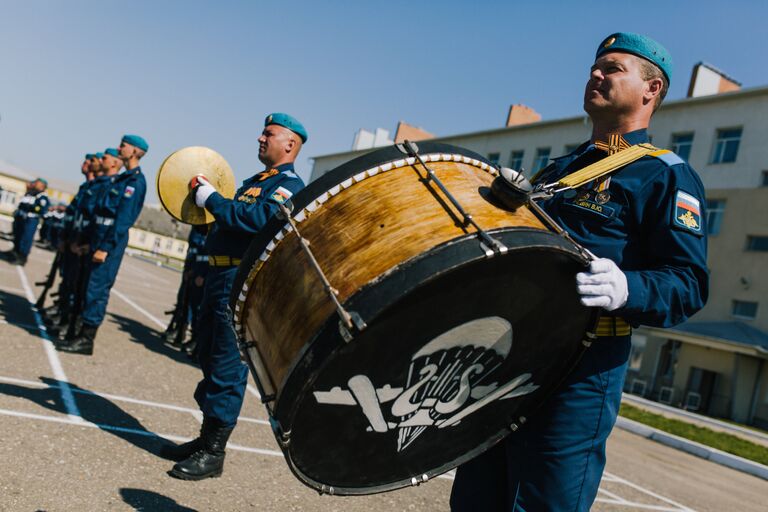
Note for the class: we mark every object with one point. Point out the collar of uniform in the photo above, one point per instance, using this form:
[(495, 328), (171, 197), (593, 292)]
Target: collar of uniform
[(280, 169), (126, 172), (635, 137)]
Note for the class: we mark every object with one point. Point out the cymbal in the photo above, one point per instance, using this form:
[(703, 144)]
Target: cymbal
[(174, 176)]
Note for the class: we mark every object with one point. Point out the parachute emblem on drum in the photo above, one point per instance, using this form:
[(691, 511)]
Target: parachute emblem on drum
[(449, 378)]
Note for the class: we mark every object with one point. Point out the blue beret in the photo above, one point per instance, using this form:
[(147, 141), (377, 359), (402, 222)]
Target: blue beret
[(88, 156), (99, 155), (43, 181), (639, 45), (289, 122), (112, 152), (135, 140)]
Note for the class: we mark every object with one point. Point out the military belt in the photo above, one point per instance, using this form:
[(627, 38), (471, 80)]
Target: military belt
[(223, 261), (104, 221), (28, 215), (613, 326), (201, 258)]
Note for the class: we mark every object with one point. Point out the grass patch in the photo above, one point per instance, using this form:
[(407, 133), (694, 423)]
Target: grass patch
[(719, 440)]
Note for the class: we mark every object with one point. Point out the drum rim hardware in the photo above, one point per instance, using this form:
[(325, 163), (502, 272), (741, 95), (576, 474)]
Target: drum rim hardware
[(489, 244)]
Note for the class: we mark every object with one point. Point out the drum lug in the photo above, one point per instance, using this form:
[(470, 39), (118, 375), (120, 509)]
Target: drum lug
[(326, 489), (418, 480), (283, 438), (344, 327)]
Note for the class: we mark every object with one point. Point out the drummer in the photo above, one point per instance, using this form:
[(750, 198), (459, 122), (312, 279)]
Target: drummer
[(645, 223), (220, 393)]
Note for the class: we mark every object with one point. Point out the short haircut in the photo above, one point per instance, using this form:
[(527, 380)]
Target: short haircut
[(649, 71)]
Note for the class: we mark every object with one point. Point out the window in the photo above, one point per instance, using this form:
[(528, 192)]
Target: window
[(516, 160), (169, 244), (542, 159), (181, 248), (142, 237), (744, 309), (757, 243), (493, 158), (715, 212), (764, 183), (726, 145), (681, 144)]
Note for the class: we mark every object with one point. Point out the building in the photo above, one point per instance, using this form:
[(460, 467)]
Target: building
[(714, 363), (13, 186)]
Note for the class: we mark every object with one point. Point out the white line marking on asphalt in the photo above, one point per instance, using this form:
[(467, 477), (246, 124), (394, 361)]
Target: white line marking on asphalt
[(11, 290), (53, 358), (681, 508), (149, 315), (138, 308), (119, 398)]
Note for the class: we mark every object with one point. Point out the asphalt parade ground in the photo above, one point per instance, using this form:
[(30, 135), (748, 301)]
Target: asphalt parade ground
[(83, 433)]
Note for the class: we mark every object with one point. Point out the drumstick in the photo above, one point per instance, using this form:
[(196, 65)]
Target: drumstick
[(365, 394)]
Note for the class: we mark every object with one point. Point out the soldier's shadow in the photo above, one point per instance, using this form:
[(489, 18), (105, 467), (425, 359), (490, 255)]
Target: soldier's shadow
[(141, 499), (103, 413), (150, 338), (16, 311)]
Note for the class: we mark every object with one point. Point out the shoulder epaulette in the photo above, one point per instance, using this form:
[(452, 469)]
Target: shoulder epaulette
[(291, 174), (668, 157)]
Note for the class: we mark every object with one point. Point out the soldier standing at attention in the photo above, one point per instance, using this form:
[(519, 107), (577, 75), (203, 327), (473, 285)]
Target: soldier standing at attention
[(644, 222), (116, 210), (220, 393), (27, 216)]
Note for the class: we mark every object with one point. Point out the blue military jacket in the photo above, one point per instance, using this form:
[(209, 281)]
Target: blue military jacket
[(87, 202), (652, 226), (118, 207), (255, 202), (32, 205), (197, 259)]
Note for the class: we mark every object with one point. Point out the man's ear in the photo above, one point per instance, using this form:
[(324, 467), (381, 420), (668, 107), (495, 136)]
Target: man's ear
[(290, 145), (653, 88)]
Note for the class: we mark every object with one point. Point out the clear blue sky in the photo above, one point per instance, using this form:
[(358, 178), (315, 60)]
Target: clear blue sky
[(76, 75)]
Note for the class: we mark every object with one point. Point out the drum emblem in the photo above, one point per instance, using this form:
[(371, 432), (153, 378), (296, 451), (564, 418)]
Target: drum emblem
[(449, 378)]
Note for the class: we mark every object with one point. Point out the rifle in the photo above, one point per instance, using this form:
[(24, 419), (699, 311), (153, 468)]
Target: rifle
[(48, 280), (80, 289)]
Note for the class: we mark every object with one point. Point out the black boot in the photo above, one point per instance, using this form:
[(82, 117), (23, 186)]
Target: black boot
[(207, 462), (183, 451), (83, 342)]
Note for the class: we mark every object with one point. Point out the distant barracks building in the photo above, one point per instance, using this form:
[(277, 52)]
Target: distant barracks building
[(715, 363)]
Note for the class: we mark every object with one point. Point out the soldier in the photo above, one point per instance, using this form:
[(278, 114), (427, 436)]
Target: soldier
[(644, 222), (27, 216), (115, 212), (75, 246), (220, 393)]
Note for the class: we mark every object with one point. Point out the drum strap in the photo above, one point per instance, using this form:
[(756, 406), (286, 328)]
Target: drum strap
[(608, 165)]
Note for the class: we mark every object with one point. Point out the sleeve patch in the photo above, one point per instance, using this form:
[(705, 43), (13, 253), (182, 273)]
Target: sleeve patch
[(129, 191), (281, 195), (687, 214)]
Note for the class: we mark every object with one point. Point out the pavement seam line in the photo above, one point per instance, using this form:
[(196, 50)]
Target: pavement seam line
[(67, 397)]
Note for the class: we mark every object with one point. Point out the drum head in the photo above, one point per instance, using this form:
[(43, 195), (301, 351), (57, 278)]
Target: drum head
[(458, 348)]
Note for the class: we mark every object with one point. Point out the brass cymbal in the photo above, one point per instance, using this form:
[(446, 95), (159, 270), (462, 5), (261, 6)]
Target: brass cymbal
[(174, 176)]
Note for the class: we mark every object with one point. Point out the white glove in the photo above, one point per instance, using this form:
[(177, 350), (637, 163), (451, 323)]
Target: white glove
[(605, 285), (203, 191)]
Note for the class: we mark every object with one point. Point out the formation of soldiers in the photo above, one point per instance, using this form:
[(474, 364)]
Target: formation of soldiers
[(90, 236)]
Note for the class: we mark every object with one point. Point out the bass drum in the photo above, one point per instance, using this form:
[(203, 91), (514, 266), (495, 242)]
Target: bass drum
[(460, 343)]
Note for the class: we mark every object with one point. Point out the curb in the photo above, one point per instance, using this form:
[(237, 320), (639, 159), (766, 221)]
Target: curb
[(157, 263), (694, 448)]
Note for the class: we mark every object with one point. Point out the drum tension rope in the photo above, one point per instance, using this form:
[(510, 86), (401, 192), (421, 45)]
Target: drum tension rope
[(489, 244), (349, 319)]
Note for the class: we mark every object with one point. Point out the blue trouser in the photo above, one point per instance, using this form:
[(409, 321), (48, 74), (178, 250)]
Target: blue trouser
[(220, 393), (102, 277), (556, 460), (24, 234)]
